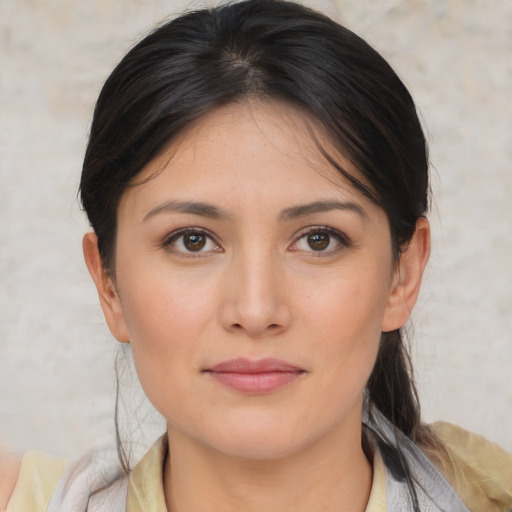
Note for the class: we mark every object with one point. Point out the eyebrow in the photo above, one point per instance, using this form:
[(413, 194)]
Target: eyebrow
[(320, 207), (190, 207), (213, 212)]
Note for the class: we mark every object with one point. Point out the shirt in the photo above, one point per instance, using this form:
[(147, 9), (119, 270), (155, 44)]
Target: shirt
[(480, 472)]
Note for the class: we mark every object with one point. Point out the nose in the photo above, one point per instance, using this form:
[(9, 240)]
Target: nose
[(255, 303)]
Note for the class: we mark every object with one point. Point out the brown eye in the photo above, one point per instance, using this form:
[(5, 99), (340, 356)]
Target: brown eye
[(318, 241), (191, 242), (321, 241), (194, 242)]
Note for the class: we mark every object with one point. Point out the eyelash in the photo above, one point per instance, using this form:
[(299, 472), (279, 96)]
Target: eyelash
[(173, 237), (342, 240)]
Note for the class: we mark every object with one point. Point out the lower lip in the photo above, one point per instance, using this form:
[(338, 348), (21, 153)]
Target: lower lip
[(263, 382)]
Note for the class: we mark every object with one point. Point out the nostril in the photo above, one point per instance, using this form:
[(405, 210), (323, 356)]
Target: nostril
[(271, 327)]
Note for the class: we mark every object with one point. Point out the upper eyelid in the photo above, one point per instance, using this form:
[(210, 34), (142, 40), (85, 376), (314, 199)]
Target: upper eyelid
[(341, 237), (316, 228), (174, 235), (183, 231), (177, 233)]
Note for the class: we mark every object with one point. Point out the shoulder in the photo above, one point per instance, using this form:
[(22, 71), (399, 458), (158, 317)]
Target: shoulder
[(9, 470), (480, 471), (33, 479)]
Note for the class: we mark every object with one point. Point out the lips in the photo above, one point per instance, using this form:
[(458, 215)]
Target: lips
[(255, 376)]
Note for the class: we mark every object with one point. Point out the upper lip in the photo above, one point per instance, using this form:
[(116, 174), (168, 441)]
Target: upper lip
[(243, 365)]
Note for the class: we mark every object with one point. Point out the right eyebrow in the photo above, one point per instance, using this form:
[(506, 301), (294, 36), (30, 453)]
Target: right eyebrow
[(189, 207)]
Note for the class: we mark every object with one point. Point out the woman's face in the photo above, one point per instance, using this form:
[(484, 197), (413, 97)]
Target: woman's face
[(253, 283)]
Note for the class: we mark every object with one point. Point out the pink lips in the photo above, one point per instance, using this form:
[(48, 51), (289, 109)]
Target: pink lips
[(261, 376)]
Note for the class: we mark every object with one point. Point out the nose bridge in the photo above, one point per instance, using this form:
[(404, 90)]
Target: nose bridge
[(257, 302)]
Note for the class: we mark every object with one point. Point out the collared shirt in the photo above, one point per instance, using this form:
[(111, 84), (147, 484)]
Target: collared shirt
[(480, 472)]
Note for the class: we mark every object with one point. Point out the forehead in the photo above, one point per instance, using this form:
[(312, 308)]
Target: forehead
[(258, 150)]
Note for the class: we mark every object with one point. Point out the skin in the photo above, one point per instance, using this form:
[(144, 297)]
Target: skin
[(9, 468), (256, 289)]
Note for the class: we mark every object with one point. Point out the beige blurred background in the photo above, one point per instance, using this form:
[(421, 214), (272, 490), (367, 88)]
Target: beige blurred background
[(56, 356)]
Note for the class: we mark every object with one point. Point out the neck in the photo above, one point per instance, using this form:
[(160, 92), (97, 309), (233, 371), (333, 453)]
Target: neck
[(331, 475)]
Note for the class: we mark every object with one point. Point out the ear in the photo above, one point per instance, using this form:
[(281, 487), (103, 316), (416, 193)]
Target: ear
[(407, 278), (105, 285)]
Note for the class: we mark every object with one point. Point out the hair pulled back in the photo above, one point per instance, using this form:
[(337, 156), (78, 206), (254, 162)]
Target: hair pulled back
[(279, 51)]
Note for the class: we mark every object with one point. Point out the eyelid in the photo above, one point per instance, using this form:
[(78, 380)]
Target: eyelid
[(170, 238), (343, 240)]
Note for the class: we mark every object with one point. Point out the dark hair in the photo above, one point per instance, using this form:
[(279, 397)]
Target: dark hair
[(279, 51)]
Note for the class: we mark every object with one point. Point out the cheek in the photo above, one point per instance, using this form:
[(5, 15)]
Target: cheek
[(345, 316), (346, 306), (348, 357), (161, 305), (165, 316)]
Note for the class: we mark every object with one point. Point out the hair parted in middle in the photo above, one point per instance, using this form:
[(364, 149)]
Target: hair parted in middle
[(275, 51)]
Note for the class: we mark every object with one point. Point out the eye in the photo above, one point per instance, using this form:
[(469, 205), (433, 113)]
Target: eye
[(189, 241), (321, 240)]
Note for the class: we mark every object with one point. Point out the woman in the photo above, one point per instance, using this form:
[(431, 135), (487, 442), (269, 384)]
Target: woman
[(257, 182)]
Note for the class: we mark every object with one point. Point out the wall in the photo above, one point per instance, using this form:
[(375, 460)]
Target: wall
[(56, 356)]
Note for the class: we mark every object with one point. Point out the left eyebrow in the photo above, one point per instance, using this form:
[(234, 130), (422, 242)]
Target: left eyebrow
[(189, 207), (319, 207)]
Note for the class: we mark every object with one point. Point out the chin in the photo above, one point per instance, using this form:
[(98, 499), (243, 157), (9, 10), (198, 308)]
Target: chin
[(261, 447), (260, 440)]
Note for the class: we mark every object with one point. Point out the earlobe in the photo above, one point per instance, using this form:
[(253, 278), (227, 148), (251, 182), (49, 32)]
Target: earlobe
[(105, 286), (407, 279)]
